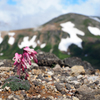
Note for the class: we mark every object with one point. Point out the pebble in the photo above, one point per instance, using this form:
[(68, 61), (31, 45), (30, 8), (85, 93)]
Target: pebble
[(79, 76), (2, 79), (75, 98), (7, 88), (68, 86), (50, 72), (57, 67)]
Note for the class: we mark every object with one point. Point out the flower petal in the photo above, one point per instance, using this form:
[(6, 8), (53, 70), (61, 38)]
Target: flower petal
[(17, 58), (29, 50)]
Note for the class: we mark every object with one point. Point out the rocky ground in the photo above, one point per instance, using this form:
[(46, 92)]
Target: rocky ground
[(54, 79)]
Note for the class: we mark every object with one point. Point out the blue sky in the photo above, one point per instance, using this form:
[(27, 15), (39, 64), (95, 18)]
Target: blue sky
[(32, 13), (65, 2), (71, 2), (11, 2)]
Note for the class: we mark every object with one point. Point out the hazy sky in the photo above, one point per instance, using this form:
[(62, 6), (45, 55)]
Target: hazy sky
[(31, 13)]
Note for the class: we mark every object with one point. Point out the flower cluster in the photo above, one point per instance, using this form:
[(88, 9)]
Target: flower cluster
[(22, 60)]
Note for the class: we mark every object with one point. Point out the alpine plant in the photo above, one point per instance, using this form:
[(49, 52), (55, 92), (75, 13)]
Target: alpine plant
[(22, 60)]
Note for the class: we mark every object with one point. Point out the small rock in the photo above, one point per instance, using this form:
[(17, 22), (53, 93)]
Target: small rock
[(1, 63), (2, 79), (0, 82), (37, 83), (76, 86), (40, 77), (36, 72), (75, 98), (1, 90), (97, 72), (76, 70), (7, 88), (57, 67), (70, 78), (60, 87), (91, 85), (68, 87), (86, 81), (63, 78), (50, 72), (79, 76), (75, 82), (10, 97), (96, 82)]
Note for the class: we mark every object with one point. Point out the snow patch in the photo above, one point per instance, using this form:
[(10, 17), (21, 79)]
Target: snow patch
[(1, 54), (73, 39), (38, 42), (43, 45), (94, 30), (11, 33), (27, 42), (11, 40), (1, 39)]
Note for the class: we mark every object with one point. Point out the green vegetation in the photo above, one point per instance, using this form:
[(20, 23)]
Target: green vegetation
[(86, 22), (90, 52), (58, 53), (15, 83), (47, 48), (9, 50)]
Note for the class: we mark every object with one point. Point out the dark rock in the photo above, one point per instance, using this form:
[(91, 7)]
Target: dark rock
[(76, 86), (96, 82), (73, 78), (0, 82), (40, 77), (64, 73), (68, 87), (38, 99), (37, 83), (91, 85), (86, 93), (48, 59), (90, 71), (59, 87), (45, 80), (62, 79), (77, 61)]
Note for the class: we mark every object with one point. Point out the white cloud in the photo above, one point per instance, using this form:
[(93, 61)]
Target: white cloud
[(31, 13)]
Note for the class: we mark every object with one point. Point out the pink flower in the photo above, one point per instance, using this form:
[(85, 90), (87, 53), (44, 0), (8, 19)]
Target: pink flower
[(31, 54), (26, 76), (29, 50), (21, 61), (17, 58)]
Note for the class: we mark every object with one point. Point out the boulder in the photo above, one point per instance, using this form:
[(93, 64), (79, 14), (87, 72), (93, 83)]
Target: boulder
[(71, 61), (86, 93), (48, 59)]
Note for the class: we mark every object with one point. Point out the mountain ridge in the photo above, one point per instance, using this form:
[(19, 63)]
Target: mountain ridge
[(50, 35)]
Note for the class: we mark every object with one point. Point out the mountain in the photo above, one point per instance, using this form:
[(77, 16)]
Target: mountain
[(66, 36)]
